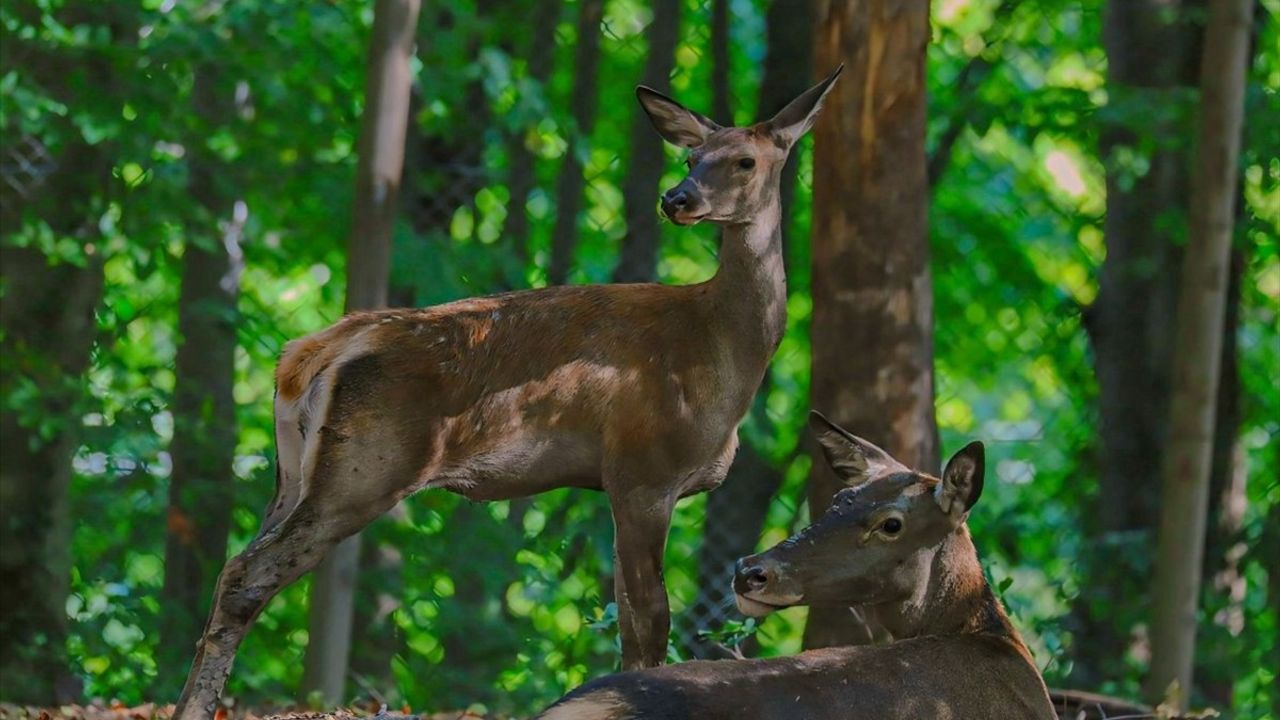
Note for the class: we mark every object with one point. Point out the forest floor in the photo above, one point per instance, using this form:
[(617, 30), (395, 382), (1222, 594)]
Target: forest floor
[(151, 711)]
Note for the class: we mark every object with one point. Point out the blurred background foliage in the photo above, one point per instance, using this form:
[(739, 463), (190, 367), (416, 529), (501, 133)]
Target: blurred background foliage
[(505, 604)]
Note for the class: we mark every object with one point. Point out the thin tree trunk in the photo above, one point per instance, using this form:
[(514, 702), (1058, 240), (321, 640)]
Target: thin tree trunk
[(872, 332), (639, 260), (521, 170), (378, 173), (569, 184), (721, 107), (1150, 59), (736, 511), (201, 486), (1200, 321)]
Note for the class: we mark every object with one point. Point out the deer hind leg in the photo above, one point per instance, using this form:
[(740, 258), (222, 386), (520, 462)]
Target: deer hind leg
[(350, 479), (641, 520)]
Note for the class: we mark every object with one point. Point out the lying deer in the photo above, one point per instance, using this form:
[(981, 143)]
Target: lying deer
[(634, 389), (894, 545)]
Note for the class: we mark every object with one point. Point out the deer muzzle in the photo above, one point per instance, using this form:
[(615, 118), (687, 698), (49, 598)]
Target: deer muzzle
[(760, 586)]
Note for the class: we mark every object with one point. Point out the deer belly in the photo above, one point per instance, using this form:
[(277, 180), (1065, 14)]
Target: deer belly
[(523, 464)]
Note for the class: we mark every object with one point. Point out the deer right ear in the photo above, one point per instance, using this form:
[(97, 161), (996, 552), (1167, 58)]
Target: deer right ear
[(855, 460), (676, 124), (794, 120)]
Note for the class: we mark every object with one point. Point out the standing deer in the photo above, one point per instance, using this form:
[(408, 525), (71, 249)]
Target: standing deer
[(633, 389), (895, 546)]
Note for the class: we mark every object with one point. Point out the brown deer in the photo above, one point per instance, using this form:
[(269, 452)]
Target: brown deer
[(633, 389), (895, 547)]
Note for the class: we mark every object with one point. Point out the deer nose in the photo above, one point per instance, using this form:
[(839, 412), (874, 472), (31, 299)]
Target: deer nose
[(677, 198), (751, 577)]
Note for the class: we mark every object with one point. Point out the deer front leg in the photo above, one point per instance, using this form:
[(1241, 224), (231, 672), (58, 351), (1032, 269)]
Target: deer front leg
[(641, 521)]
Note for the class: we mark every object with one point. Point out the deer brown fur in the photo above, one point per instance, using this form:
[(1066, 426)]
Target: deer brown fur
[(894, 545), (636, 390)]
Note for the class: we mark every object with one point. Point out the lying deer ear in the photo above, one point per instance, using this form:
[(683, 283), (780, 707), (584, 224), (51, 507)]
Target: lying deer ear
[(798, 116), (676, 124), (961, 484), (855, 460)]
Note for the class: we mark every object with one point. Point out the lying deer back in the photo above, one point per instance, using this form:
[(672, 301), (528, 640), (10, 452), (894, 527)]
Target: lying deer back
[(894, 546)]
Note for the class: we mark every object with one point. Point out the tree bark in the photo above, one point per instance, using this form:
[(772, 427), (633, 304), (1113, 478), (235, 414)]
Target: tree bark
[(1150, 57), (872, 328), (521, 167), (378, 172), (721, 105), (736, 511), (49, 328), (1200, 322), (569, 184), (639, 259), (201, 485)]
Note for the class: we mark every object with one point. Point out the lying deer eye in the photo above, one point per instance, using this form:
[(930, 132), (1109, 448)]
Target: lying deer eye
[(747, 163), (892, 526)]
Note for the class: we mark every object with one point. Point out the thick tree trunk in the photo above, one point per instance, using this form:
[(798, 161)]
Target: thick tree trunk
[(48, 317), (872, 330), (1130, 324), (204, 424), (736, 510), (521, 167), (378, 172), (1200, 322), (569, 184), (49, 327), (640, 191)]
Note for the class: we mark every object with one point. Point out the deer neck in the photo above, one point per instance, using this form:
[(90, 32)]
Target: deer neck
[(750, 289), (956, 599)]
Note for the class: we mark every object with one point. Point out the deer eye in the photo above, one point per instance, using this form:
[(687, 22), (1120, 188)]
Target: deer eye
[(688, 162), (891, 526), (747, 163)]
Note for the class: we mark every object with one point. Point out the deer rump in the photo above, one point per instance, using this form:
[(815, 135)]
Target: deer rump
[(928, 677)]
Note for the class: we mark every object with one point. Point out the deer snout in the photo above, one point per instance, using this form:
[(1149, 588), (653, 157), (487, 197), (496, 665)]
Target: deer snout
[(681, 203), (750, 578)]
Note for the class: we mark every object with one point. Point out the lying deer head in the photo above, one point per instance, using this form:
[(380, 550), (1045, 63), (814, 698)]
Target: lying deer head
[(877, 542), (733, 172)]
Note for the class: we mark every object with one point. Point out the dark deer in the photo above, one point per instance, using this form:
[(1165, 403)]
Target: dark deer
[(633, 389), (895, 547)]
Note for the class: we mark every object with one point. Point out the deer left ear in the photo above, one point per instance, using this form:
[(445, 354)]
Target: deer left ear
[(961, 484)]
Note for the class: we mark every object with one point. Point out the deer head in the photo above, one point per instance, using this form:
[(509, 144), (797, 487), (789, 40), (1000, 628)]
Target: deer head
[(733, 171), (877, 542)]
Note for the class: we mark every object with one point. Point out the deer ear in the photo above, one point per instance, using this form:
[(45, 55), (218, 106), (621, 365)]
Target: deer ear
[(676, 124), (855, 460), (961, 484), (798, 116)]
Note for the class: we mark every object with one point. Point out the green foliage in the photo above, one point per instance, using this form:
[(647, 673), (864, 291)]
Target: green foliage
[(506, 604)]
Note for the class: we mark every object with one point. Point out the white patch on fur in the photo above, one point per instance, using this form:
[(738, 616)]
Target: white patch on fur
[(602, 705)]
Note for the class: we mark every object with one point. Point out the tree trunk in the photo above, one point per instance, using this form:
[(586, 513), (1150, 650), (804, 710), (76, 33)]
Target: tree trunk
[(49, 328), (721, 106), (521, 167), (1200, 322), (736, 510), (48, 317), (378, 172), (1130, 324), (872, 331), (569, 184), (639, 260), (201, 485)]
